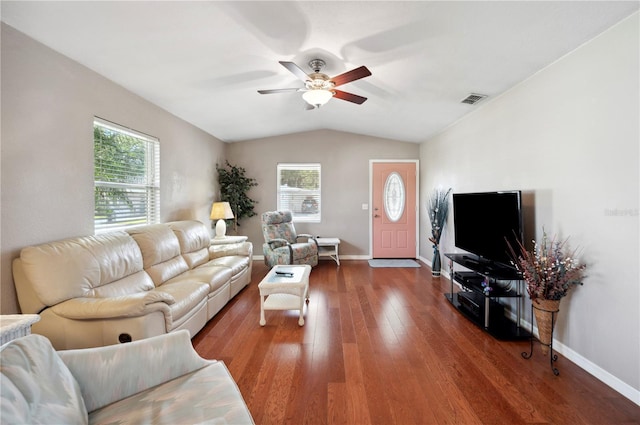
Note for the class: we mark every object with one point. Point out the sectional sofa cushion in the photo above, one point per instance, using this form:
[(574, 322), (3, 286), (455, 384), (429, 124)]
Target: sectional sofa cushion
[(214, 276), (208, 395), (160, 252), (187, 294), (194, 240), (83, 267), (235, 256)]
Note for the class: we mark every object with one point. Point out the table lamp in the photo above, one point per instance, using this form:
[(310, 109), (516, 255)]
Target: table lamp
[(221, 211)]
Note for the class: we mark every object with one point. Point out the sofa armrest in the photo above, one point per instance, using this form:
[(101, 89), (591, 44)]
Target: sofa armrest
[(133, 305), (112, 373), (244, 249)]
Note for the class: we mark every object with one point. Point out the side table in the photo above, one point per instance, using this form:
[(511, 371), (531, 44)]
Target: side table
[(328, 247), (14, 326)]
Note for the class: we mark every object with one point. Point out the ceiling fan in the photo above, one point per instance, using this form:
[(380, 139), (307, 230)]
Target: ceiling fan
[(319, 88)]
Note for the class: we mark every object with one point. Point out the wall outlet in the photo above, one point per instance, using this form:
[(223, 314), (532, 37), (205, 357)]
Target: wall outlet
[(365, 206)]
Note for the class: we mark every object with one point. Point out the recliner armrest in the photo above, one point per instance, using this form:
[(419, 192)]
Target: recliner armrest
[(113, 307), (308, 236), (278, 243)]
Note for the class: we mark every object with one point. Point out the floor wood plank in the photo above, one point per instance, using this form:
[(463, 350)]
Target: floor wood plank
[(383, 346)]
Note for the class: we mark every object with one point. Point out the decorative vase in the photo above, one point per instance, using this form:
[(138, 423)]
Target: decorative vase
[(436, 265), (545, 312)]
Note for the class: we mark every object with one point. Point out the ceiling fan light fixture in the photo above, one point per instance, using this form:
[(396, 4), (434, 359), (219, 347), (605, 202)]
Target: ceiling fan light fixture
[(319, 88), (317, 97)]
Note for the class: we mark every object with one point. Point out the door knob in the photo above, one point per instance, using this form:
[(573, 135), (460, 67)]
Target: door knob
[(376, 216)]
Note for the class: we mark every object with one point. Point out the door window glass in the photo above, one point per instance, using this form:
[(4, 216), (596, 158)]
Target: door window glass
[(394, 196)]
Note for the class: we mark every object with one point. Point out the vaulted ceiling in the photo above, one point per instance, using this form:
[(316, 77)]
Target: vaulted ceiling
[(204, 61)]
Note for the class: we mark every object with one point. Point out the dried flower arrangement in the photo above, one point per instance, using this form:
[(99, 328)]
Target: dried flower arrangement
[(548, 271)]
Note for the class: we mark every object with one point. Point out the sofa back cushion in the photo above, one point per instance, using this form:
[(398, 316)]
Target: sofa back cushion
[(83, 267), (37, 387), (194, 239), (160, 252)]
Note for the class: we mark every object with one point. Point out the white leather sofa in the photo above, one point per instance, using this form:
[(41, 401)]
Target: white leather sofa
[(125, 286), (159, 380)]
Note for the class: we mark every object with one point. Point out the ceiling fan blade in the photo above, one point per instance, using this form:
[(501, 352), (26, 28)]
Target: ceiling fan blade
[(349, 97), (295, 70), (278, 91), (354, 74)]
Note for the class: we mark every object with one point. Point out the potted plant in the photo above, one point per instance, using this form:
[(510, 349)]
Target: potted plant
[(549, 271), (438, 207), (234, 186)]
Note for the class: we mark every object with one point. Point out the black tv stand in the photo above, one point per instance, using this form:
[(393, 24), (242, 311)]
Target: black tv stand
[(479, 306), (469, 259)]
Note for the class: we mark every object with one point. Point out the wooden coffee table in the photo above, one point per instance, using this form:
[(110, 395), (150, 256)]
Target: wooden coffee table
[(285, 288)]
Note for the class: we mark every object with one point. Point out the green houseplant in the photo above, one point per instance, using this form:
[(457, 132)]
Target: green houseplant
[(234, 185), (438, 208)]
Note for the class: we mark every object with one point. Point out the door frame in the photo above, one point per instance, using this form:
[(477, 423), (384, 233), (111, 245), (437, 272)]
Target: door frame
[(417, 163)]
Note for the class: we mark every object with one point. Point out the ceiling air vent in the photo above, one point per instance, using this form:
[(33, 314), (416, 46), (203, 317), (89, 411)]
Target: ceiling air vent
[(473, 98)]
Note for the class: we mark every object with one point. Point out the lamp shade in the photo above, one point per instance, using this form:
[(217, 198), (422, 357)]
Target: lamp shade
[(317, 97), (221, 211)]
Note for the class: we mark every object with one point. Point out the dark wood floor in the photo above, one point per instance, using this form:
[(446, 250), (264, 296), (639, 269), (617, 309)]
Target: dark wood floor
[(383, 346)]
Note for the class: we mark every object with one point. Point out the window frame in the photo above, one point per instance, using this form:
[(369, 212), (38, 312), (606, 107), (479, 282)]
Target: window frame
[(316, 194), (146, 193)]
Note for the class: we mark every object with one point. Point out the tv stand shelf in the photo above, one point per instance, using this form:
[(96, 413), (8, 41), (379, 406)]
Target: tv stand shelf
[(484, 309), (484, 267)]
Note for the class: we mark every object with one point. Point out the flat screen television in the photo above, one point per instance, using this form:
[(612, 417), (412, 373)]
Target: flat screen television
[(484, 222)]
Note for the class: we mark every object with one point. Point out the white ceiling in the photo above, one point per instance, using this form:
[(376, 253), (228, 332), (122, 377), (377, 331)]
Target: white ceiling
[(204, 61)]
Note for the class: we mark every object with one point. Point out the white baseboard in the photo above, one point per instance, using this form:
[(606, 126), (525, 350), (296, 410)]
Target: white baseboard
[(342, 257), (593, 369), (355, 257)]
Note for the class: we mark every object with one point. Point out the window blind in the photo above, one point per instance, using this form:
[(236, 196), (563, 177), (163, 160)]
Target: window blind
[(299, 191), (126, 177)]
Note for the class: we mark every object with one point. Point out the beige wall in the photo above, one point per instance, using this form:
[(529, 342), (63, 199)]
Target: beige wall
[(48, 105), (569, 136), (344, 158)]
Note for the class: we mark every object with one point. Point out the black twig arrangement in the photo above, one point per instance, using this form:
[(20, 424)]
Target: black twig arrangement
[(438, 206)]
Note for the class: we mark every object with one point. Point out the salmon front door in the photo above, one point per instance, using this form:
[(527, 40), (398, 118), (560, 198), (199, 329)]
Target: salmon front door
[(394, 211)]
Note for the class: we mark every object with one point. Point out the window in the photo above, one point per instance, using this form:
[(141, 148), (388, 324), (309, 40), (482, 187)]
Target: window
[(127, 177), (299, 191), (394, 197)]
